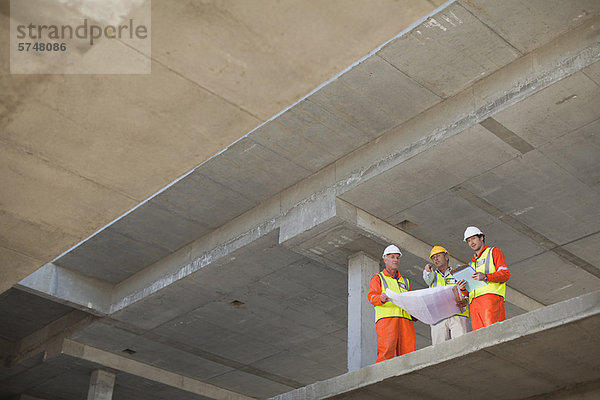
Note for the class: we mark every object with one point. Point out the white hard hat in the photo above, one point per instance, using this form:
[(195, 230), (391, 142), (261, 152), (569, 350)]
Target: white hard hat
[(472, 231), (392, 249)]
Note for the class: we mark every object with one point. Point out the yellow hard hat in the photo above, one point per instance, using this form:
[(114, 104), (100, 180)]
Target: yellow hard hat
[(437, 250)]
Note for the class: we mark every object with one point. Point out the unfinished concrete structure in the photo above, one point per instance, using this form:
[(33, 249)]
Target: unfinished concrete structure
[(242, 278)]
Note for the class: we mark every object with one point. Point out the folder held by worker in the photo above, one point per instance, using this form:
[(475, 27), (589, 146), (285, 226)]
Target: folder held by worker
[(464, 272)]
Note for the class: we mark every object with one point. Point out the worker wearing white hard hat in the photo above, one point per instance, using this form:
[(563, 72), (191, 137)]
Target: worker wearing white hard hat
[(486, 302), (436, 275), (394, 326)]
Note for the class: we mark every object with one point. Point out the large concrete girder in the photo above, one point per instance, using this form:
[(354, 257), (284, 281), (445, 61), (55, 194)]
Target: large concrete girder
[(119, 363), (533, 354)]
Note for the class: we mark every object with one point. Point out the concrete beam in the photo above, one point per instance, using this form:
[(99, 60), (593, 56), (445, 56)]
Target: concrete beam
[(28, 397), (7, 349), (48, 339), (70, 288), (120, 363)]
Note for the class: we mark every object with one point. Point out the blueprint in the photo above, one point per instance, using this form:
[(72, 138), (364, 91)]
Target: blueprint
[(427, 305)]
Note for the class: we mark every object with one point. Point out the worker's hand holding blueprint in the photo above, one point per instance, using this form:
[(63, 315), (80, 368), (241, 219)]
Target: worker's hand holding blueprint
[(428, 305)]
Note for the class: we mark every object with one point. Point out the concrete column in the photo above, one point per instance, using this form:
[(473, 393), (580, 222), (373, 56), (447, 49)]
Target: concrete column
[(102, 384), (362, 341)]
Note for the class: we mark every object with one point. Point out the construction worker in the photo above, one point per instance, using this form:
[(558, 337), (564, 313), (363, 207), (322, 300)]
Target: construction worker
[(487, 302), (439, 275), (394, 326)]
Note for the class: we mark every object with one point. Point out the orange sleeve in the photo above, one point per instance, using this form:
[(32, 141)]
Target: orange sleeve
[(374, 295), (501, 275)]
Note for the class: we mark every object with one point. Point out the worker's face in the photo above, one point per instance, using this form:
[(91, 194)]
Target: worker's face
[(475, 242), (440, 260), (392, 261)]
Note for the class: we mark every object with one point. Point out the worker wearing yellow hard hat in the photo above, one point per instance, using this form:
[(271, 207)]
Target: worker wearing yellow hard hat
[(437, 250), (439, 275)]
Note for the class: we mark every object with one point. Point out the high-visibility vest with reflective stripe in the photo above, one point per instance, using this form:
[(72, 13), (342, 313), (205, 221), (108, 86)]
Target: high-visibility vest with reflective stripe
[(389, 309), (448, 280), (485, 264)]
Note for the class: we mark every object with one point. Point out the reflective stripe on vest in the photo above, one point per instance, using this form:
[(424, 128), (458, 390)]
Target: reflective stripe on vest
[(485, 264), (449, 280), (389, 309)]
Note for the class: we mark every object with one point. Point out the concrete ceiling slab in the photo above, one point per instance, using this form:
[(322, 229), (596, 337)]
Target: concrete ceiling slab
[(554, 111), (26, 313), (264, 69), (585, 248), (202, 199), (449, 34), (177, 299), (130, 386), (333, 345), (438, 168), (538, 275), (535, 186), (307, 370), (22, 230), (548, 20), (161, 225), (310, 137), (12, 261), (436, 226), (93, 200), (64, 105), (256, 387), (112, 264), (593, 72), (248, 167), (374, 96), (577, 153)]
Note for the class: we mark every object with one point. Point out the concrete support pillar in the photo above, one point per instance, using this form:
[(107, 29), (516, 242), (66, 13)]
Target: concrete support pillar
[(102, 384), (362, 341)]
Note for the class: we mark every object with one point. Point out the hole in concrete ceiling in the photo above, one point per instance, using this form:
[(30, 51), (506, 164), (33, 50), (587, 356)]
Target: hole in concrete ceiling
[(237, 303), (129, 351), (406, 225)]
